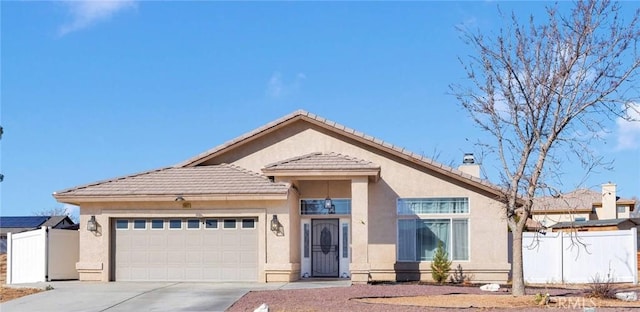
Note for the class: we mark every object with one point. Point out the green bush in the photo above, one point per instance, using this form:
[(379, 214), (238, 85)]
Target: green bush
[(441, 265)]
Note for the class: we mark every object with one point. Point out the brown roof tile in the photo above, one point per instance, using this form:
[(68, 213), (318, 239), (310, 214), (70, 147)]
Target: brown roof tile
[(320, 161), (218, 179)]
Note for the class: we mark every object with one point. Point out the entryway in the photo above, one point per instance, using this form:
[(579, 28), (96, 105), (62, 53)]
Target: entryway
[(325, 248)]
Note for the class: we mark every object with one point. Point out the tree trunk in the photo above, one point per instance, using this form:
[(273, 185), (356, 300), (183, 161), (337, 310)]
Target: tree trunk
[(517, 274)]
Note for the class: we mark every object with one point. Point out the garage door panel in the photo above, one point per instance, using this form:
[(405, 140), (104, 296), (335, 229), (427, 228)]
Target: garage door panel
[(186, 254)]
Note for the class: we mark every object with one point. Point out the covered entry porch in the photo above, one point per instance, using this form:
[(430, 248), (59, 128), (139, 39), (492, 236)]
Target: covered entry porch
[(330, 214)]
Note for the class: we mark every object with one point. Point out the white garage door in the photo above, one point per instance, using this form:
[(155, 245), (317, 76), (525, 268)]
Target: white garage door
[(224, 249)]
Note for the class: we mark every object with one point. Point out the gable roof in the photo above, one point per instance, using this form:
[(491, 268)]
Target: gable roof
[(349, 133), (224, 180), (580, 200)]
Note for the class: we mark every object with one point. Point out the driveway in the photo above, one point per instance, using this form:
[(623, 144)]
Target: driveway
[(144, 296)]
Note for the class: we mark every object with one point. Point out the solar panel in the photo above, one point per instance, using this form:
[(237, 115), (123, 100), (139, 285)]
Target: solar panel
[(22, 222)]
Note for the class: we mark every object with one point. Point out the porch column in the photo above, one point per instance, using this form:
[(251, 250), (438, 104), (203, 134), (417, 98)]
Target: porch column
[(360, 230)]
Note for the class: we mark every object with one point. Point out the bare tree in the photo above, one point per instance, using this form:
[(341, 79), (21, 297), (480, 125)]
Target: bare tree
[(57, 211), (544, 91)]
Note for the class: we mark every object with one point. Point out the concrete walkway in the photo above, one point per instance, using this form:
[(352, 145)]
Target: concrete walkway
[(71, 296)]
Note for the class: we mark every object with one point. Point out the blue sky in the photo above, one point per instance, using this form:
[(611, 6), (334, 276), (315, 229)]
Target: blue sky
[(95, 90)]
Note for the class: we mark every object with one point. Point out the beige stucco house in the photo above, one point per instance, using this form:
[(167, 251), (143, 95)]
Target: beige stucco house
[(300, 197)]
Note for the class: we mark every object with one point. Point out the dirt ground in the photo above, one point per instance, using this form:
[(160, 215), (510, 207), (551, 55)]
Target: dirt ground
[(415, 297), (8, 293)]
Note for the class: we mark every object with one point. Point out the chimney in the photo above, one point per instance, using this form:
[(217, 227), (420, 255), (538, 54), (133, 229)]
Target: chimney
[(469, 165), (609, 198)]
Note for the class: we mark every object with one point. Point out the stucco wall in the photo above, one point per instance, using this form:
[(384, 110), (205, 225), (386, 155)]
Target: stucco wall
[(398, 178)]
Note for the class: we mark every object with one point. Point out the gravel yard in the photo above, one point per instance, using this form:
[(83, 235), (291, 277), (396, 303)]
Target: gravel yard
[(414, 298)]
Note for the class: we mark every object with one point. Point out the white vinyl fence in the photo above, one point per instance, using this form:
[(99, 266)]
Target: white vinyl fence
[(559, 257), (42, 255)]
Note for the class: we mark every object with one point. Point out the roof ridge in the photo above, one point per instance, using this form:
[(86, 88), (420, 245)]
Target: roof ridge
[(247, 171), (435, 166), (111, 180)]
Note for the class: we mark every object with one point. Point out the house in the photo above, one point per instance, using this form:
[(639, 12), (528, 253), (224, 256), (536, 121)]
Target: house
[(581, 205), (300, 197), (19, 224)]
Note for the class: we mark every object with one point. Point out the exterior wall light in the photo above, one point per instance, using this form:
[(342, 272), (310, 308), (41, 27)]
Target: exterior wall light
[(92, 224), (275, 224), (328, 203)]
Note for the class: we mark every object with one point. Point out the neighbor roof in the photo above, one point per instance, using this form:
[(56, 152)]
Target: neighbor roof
[(594, 223), (223, 179), (350, 133), (22, 222), (580, 200), (16, 224)]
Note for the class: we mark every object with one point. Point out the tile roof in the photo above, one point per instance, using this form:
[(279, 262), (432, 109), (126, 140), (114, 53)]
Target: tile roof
[(340, 129), (320, 161), (580, 199), (218, 179)]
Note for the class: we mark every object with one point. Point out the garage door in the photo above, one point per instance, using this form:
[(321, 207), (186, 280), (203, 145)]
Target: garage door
[(224, 249)]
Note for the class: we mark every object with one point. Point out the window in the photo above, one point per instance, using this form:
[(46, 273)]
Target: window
[(229, 224), (416, 206), (426, 222), (175, 224), (211, 224), (157, 224), (122, 224), (193, 224), (345, 240), (581, 219), (316, 207), (248, 223), (621, 209), (139, 224), (306, 240), (419, 238)]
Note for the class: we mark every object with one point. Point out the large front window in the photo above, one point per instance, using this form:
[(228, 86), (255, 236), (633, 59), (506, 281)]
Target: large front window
[(424, 223)]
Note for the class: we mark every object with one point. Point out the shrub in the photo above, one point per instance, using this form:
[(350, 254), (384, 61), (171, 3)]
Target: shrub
[(441, 265), (458, 276), (601, 287)]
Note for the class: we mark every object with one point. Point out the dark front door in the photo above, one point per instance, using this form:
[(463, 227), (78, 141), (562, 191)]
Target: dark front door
[(325, 258)]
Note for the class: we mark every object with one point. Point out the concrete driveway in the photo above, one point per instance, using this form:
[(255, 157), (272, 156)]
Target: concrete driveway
[(144, 296)]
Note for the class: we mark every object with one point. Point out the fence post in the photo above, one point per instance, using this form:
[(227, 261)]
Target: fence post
[(9, 276)]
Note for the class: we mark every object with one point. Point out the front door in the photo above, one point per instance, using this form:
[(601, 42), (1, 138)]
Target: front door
[(325, 257)]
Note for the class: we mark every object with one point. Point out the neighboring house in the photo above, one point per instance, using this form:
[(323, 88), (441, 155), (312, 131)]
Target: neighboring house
[(299, 197), (580, 205), (26, 223)]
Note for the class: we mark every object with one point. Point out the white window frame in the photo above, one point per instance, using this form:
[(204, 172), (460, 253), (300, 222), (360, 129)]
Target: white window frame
[(156, 229), (224, 224), (175, 229), (189, 228), (119, 228), (248, 228), (436, 216), (139, 229), (212, 228)]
